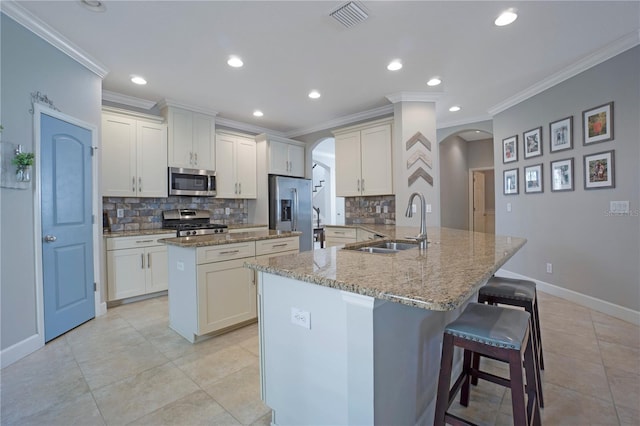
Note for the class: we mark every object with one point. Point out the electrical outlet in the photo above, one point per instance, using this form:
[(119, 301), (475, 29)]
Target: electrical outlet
[(180, 266), (549, 268), (619, 207), (301, 318), (414, 209), (508, 207), (120, 212), (428, 208), (227, 211), (378, 210), (385, 209)]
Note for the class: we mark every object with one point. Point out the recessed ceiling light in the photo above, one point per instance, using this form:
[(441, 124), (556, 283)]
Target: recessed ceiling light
[(257, 113), (434, 81), (394, 65), (454, 108), (507, 17), (235, 62), (93, 5), (314, 94), (138, 80)]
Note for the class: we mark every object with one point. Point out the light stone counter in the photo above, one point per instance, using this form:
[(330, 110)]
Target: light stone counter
[(228, 238), (451, 270)]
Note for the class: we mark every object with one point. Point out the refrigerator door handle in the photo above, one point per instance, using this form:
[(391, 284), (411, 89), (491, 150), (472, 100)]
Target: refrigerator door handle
[(294, 213)]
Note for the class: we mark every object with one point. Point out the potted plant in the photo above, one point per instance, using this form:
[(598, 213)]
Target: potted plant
[(23, 161)]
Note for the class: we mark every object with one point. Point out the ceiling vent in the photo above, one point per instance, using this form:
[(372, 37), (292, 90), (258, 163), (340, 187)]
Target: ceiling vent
[(349, 14)]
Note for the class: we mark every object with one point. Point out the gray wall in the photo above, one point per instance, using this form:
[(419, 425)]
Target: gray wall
[(29, 64), (593, 253)]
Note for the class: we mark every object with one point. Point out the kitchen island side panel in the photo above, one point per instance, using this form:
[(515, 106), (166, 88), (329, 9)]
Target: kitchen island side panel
[(183, 291)]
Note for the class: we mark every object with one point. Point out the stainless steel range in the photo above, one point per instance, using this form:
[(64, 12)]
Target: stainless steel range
[(188, 222)]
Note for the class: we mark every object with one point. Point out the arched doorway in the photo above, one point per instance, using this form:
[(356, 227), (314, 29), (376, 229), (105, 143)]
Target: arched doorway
[(327, 207)]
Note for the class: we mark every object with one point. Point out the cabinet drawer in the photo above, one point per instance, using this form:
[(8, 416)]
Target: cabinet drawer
[(277, 245), (225, 252), (118, 243), (340, 233)]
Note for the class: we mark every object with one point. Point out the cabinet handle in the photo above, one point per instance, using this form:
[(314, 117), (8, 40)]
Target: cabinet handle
[(235, 191), (191, 158), (133, 184), (239, 187), (362, 185), (338, 232), (195, 158), (230, 252), (288, 166), (139, 184), (279, 245), (148, 260), (142, 260), (143, 241), (358, 185)]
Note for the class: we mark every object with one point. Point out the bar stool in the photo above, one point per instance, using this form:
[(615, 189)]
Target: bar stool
[(502, 334)]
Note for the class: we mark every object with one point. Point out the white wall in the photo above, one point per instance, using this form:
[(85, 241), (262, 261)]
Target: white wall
[(593, 253), (29, 64)]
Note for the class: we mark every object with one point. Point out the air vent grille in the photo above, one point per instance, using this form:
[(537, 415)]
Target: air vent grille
[(349, 14)]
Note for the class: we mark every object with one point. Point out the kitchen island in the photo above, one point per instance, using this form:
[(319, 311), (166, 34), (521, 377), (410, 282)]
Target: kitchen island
[(348, 337), (210, 291)]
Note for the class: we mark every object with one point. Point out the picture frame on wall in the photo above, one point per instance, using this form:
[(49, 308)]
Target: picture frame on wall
[(562, 175), (532, 142), (599, 170), (597, 124), (510, 149), (561, 134), (510, 182), (533, 179)]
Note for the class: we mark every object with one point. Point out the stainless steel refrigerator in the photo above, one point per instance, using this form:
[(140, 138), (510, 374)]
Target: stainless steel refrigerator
[(290, 207)]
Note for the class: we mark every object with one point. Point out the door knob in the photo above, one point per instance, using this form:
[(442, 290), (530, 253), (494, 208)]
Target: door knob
[(49, 238)]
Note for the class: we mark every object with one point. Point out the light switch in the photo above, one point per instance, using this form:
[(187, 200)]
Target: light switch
[(414, 209), (227, 210), (508, 207), (120, 212), (378, 210), (385, 209), (428, 208)]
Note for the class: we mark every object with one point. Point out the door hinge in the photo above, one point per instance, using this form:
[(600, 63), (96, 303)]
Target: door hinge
[(93, 219), (95, 287), (93, 150)]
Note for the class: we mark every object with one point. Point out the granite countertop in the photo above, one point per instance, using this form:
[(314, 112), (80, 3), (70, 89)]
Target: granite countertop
[(451, 270), (236, 237)]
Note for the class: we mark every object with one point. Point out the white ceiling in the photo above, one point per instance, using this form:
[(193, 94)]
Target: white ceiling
[(291, 47)]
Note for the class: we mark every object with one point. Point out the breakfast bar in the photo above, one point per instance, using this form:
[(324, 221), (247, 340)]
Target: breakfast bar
[(354, 337)]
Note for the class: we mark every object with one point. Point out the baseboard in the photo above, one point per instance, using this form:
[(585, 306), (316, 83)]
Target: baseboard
[(603, 306), (101, 309), (21, 349)]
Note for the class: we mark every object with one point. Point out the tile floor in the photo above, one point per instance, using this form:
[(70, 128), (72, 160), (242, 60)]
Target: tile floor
[(128, 367)]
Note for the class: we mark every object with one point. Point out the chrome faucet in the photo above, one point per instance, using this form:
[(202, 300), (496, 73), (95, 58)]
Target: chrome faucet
[(422, 237)]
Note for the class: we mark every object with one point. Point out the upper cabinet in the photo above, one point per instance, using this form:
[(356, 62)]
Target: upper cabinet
[(284, 156), (236, 167), (364, 160), (191, 138), (134, 155)]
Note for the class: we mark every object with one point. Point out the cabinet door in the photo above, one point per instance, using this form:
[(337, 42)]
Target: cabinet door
[(126, 273), (157, 273), (348, 164), (278, 158), (152, 178), (118, 156), (246, 168), (226, 295), (296, 160), (204, 155), (377, 173), (226, 184), (180, 138)]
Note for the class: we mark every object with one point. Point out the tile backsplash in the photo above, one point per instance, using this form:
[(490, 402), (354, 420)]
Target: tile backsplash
[(146, 213), (362, 210)]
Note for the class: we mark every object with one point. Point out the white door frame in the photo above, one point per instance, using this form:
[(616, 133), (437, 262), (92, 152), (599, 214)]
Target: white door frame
[(39, 109), (477, 169)]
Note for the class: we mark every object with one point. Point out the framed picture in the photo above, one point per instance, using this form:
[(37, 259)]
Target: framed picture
[(599, 170), (561, 135), (562, 175), (533, 179), (511, 182), (597, 124), (532, 142), (510, 149)]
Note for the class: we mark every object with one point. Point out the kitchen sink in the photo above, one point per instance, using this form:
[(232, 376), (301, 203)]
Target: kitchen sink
[(384, 247)]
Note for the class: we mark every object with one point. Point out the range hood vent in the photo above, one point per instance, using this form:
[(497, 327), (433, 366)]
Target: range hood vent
[(349, 14)]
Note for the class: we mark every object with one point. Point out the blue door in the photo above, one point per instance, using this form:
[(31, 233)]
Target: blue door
[(67, 244)]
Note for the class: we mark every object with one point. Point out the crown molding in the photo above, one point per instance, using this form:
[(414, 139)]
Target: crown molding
[(34, 24), (119, 98), (163, 103), (592, 59), (342, 121), (239, 125), (463, 121), (137, 114), (414, 97)]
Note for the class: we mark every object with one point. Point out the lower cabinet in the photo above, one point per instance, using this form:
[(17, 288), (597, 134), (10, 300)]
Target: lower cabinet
[(337, 236), (136, 266)]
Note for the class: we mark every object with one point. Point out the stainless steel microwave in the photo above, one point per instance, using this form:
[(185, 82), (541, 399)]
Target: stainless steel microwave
[(199, 183)]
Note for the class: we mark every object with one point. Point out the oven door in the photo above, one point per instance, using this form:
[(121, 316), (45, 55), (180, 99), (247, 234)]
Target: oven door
[(192, 182)]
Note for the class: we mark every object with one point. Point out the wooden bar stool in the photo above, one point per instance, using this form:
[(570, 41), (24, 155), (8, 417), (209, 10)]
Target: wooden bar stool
[(502, 334), (521, 293)]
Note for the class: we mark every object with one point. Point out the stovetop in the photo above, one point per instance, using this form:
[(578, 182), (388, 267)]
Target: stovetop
[(189, 222)]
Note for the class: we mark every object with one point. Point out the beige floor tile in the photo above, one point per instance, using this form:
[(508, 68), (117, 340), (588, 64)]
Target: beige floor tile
[(566, 324), (628, 416), (620, 357), (251, 344), (239, 394), (565, 309), (263, 421), (622, 333), (81, 411), (600, 318), (483, 406), (206, 370), (175, 346), (100, 344), (625, 388), (136, 396), (586, 377), (197, 408), (578, 346)]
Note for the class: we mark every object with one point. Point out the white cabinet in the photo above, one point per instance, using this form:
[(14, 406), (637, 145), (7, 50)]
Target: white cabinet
[(136, 266), (236, 166), (134, 156), (364, 160), (337, 236), (284, 156), (191, 138)]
